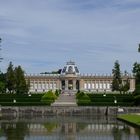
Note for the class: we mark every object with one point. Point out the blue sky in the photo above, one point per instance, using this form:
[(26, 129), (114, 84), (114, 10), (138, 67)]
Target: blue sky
[(41, 35)]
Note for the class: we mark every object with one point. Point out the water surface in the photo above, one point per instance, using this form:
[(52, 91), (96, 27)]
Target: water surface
[(66, 128)]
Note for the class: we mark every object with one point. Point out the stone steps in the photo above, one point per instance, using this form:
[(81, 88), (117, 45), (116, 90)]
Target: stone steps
[(65, 100)]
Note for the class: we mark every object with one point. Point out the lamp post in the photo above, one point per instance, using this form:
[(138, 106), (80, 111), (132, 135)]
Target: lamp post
[(104, 93), (115, 100), (14, 101)]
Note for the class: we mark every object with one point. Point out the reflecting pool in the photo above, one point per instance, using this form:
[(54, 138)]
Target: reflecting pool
[(66, 128)]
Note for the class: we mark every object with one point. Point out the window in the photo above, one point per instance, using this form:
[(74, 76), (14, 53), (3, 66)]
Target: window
[(93, 86), (108, 86), (70, 69), (51, 85), (54, 85), (100, 85), (64, 70), (89, 85), (85, 86), (96, 85), (104, 86), (76, 69), (47, 86)]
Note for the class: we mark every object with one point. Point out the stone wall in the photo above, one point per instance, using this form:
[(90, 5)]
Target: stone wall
[(67, 111)]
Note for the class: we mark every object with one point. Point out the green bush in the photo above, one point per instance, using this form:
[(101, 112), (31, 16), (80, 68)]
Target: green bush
[(57, 92), (79, 95), (48, 97), (84, 97)]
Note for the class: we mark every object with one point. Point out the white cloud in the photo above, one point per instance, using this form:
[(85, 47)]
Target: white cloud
[(93, 33)]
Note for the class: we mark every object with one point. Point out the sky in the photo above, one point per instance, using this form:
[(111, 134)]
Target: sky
[(42, 35)]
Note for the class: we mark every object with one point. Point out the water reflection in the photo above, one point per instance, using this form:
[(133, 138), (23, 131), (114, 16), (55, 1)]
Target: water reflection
[(66, 128)]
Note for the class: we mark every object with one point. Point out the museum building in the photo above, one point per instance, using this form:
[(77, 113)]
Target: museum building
[(70, 79)]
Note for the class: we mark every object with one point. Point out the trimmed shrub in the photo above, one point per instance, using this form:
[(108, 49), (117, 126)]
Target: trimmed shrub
[(48, 97), (83, 99), (79, 95), (57, 92)]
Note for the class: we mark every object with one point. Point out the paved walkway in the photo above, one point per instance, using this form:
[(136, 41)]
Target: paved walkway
[(65, 99)]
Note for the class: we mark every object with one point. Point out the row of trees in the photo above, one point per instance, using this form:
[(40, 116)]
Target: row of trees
[(117, 83), (13, 81)]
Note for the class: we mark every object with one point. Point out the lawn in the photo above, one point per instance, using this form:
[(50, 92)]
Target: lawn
[(131, 119)]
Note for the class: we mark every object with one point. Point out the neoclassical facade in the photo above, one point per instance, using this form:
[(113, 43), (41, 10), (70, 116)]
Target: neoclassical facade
[(70, 79)]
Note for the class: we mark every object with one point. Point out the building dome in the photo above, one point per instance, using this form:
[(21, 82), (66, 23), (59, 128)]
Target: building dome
[(70, 68)]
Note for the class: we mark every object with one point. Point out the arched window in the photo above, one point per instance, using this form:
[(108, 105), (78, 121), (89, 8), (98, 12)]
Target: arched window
[(64, 70), (70, 69)]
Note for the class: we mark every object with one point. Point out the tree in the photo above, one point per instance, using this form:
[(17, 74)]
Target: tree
[(117, 81), (136, 71), (139, 48), (2, 83), (21, 84), (10, 78), (126, 86), (0, 49)]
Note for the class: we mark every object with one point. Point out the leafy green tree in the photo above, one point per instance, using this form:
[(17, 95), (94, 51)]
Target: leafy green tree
[(10, 78), (117, 80), (136, 71), (139, 48), (21, 84), (2, 87), (2, 83), (126, 86)]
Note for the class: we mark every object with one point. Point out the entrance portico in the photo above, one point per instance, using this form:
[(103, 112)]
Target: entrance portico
[(70, 84), (70, 77)]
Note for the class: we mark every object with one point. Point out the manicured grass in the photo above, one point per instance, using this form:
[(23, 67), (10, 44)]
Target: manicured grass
[(131, 119)]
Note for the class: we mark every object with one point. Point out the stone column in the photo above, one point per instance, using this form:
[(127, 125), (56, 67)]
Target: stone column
[(81, 84), (74, 84), (48, 84), (98, 85), (66, 84), (94, 85), (90, 84), (52, 84), (59, 86), (106, 84), (132, 84)]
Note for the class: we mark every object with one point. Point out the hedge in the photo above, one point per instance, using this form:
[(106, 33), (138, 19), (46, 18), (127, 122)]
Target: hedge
[(22, 99), (21, 95), (24, 103), (81, 103), (137, 100), (107, 100)]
